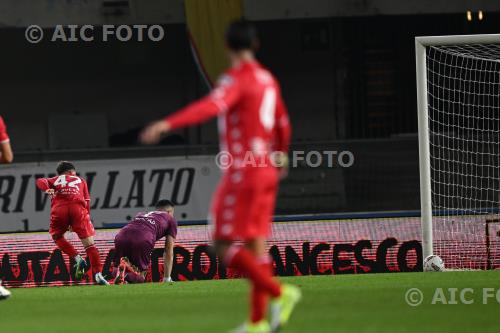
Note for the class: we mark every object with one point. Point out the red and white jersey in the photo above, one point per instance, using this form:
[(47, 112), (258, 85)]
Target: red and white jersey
[(4, 137), (68, 190), (253, 119)]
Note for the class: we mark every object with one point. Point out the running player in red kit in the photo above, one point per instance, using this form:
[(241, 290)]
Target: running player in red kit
[(6, 155), (255, 132), (70, 210)]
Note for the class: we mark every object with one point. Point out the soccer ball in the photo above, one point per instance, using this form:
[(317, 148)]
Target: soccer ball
[(433, 263)]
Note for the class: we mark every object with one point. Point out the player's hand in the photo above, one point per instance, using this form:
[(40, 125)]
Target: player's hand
[(50, 192), (153, 132), (168, 279), (283, 172), (280, 160)]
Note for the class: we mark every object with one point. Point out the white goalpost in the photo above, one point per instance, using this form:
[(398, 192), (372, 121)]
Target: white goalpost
[(458, 92)]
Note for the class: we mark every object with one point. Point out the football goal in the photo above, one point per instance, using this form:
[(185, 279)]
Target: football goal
[(458, 90)]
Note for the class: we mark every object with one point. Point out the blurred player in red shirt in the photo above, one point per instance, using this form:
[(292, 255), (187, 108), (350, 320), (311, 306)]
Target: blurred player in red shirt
[(70, 210), (6, 155), (254, 137)]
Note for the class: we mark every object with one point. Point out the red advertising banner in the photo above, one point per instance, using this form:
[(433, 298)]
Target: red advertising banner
[(297, 248)]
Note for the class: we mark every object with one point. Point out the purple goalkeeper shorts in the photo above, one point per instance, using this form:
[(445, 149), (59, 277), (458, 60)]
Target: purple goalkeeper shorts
[(135, 247)]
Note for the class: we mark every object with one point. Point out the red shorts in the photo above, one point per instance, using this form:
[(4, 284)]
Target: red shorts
[(75, 216), (243, 210)]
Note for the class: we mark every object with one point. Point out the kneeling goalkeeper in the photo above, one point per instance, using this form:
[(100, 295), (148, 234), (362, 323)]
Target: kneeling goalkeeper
[(136, 241)]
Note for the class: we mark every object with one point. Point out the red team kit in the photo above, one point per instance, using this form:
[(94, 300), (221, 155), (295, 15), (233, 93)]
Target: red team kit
[(253, 122), (70, 211), (70, 205)]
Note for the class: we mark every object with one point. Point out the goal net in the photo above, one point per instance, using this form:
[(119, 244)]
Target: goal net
[(459, 136)]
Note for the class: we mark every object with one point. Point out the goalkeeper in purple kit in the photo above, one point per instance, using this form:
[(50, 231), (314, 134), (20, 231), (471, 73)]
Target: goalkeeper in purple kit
[(136, 241)]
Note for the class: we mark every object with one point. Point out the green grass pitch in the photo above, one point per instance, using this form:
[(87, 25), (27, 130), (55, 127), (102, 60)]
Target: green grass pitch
[(344, 303)]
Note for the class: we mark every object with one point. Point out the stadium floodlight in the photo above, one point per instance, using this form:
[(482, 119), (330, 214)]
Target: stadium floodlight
[(458, 91)]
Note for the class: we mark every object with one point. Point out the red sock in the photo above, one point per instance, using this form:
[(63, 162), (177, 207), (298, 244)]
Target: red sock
[(243, 260), (259, 298), (95, 260), (66, 247)]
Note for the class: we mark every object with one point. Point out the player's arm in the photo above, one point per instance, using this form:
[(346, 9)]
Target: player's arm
[(218, 101), (86, 194), (168, 258), (46, 185), (6, 154), (283, 132)]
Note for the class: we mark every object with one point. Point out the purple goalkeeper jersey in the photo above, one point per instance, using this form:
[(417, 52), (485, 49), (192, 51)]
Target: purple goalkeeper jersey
[(137, 239), (153, 225)]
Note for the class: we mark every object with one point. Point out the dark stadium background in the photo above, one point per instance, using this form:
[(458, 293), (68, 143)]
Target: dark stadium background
[(347, 71)]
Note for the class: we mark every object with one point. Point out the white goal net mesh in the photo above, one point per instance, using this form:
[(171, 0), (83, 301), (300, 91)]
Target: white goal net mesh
[(463, 84)]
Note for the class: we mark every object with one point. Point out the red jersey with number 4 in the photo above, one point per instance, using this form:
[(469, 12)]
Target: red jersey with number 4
[(68, 189), (253, 120), (253, 123)]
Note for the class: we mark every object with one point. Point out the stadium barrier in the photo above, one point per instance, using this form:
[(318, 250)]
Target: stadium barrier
[(302, 247)]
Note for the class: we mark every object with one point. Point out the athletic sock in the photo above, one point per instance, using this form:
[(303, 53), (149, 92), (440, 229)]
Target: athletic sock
[(259, 299), (243, 260), (66, 247), (95, 260)]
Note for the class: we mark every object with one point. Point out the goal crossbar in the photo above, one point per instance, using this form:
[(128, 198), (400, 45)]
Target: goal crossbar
[(457, 39)]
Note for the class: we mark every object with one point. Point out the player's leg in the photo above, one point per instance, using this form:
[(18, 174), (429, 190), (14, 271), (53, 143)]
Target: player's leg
[(262, 284), (283, 305), (66, 247), (120, 268), (264, 209), (82, 226), (132, 257), (125, 272), (95, 259), (59, 223), (234, 220), (250, 263), (254, 260), (134, 275), (259, 299), (254, 325), (139, 260), (63, 244)]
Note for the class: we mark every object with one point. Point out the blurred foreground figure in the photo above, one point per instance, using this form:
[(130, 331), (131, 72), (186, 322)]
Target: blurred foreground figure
[(70, 210), (6, 155), (4, 293), (135, 242), (254, 138)]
